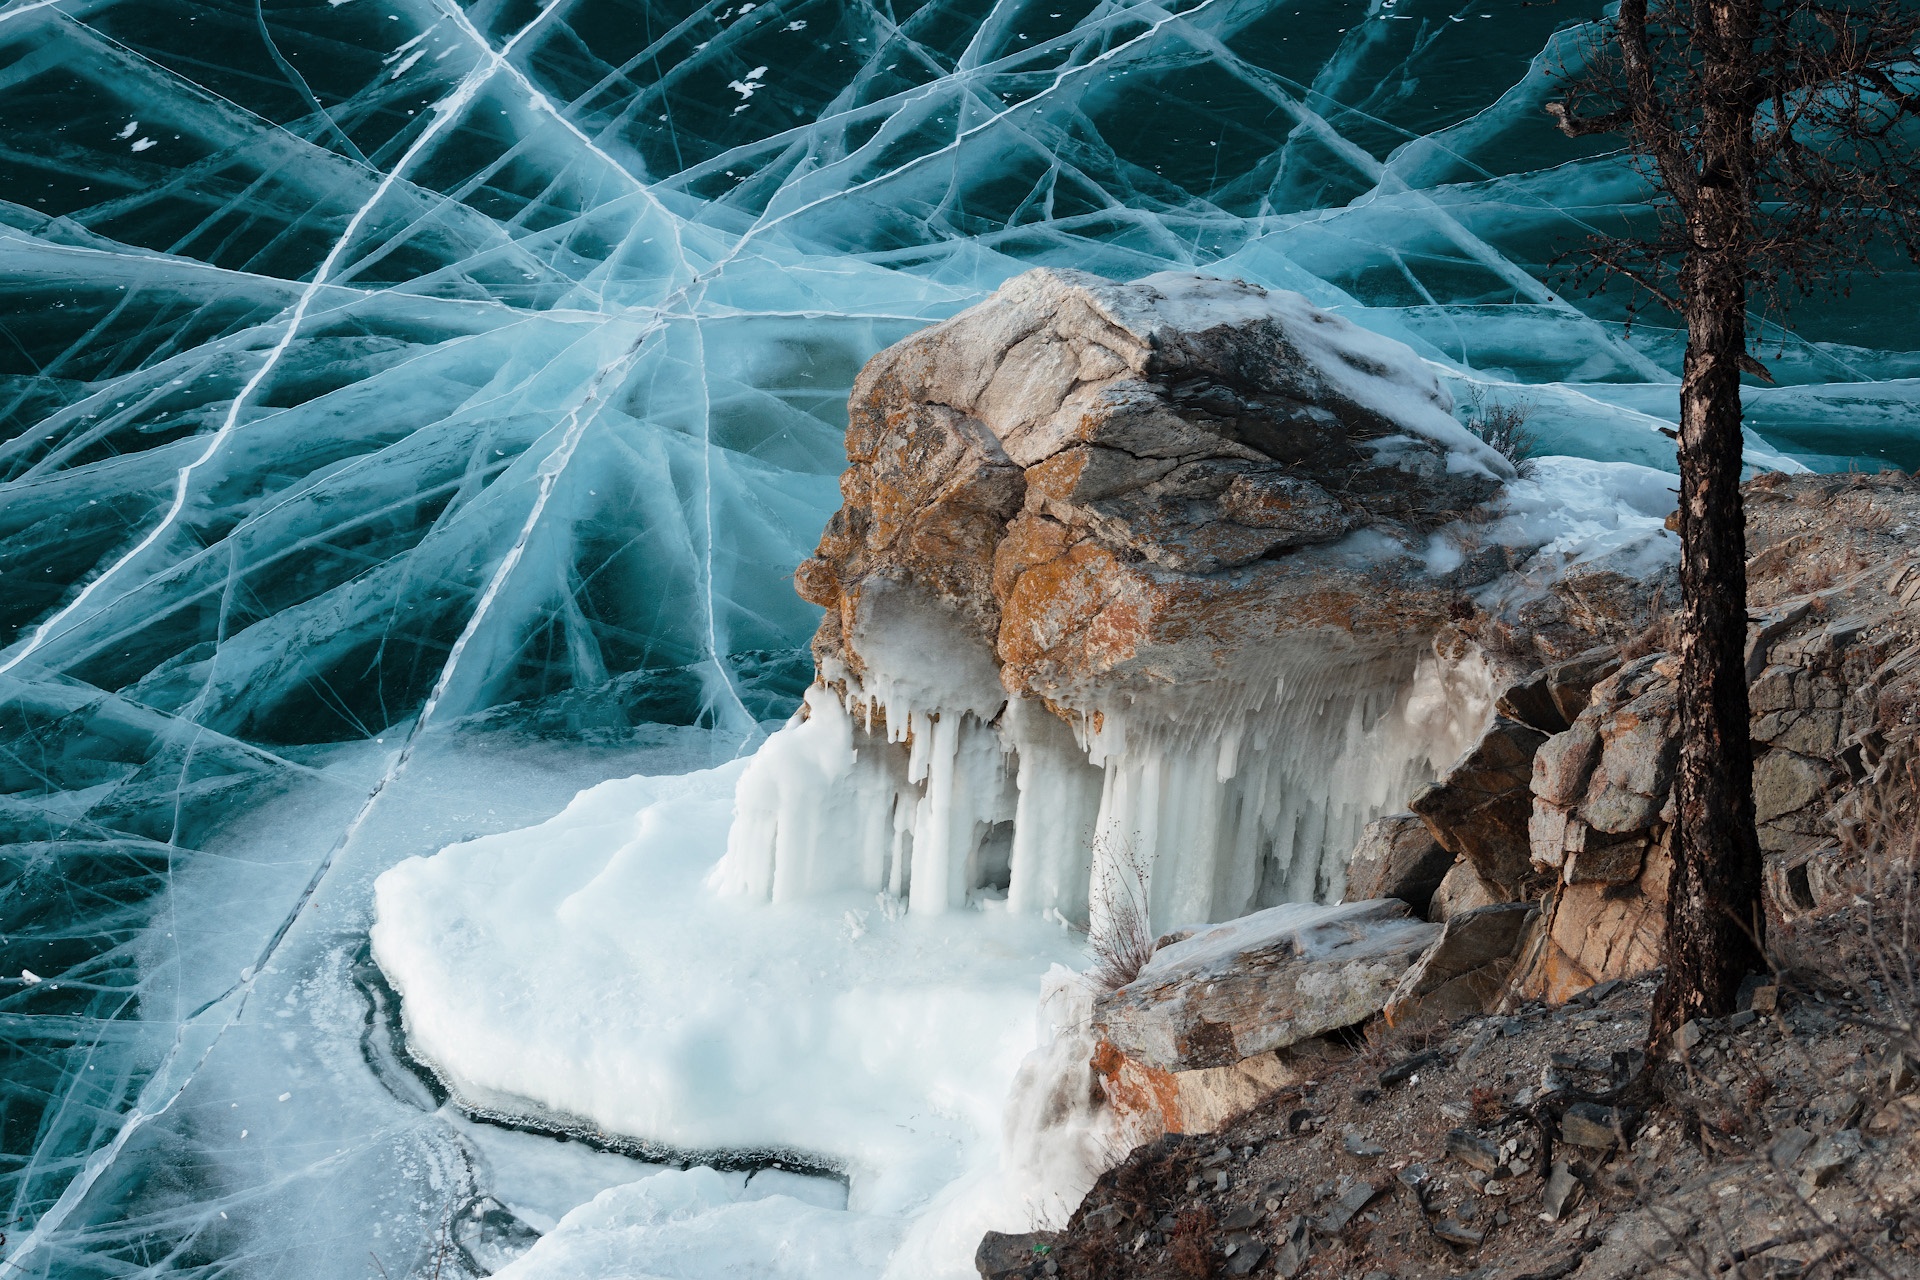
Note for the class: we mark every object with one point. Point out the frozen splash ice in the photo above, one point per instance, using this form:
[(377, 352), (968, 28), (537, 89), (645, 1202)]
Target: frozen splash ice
[(1218, 801), (581, 975), (561, 224)]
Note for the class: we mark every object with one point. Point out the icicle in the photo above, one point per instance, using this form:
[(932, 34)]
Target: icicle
[(1233, 797)]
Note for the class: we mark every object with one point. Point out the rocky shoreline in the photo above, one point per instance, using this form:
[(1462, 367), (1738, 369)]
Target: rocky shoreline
[(1498, 1147), (1420, 1137), (1148, 606)]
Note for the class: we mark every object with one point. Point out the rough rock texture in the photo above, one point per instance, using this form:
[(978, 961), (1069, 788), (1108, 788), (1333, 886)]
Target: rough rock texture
[(1129, 485), (1427, 1157), (1586, 610), (1479, 808), (1003, 1255), (1590, 932), (1601, 789), (1570, 791), (1154, 1100), (1833, 654), (1553, 698), (1460, 890), (1261, 983), (1397, 857), (1466, 969)]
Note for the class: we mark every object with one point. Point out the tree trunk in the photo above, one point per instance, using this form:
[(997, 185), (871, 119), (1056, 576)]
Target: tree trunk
[(1714, 914)]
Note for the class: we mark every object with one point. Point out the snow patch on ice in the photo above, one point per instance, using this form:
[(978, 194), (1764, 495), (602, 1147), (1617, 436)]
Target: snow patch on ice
[(1372, 370), (1579, 512), (582, 973), (697, 1224)]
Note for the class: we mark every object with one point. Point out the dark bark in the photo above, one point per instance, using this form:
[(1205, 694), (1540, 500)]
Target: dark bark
[(1779, 139), (1714, 916)]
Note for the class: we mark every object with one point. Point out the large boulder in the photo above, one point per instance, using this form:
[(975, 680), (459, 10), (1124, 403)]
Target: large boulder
[(1263, 982), (1593, 932), (1479, 808), (1130, 582), (1130, 484), (1397, 857)]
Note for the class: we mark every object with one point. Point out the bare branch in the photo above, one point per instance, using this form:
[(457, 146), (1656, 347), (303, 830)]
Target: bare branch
[(1586, 126)]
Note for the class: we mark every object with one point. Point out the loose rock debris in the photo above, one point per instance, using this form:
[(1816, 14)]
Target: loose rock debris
[(1535, 1147)]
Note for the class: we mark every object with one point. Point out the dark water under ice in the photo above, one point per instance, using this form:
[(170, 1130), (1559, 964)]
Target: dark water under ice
[(413, 412)]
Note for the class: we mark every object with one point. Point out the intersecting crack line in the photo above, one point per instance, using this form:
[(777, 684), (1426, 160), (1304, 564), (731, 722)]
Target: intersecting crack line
[(933, 96), (764, 224), (299, 82), (750, 733), (1388, 184), (227, 1008), (445, 112), (18, 10)]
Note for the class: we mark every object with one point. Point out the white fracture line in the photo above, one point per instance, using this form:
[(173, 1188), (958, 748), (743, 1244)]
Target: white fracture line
[(444, 113)]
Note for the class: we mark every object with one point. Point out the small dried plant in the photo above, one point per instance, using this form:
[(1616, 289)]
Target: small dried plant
[(1503, 425), (1191, 1250), (1661, 635), (1122, 938), (1880, 835)]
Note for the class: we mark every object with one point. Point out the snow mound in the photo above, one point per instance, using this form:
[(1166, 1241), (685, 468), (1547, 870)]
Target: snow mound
[(696, 1224), (580, 973)]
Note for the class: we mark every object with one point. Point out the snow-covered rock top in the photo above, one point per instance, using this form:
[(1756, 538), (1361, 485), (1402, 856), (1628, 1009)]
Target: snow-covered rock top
[(1142, 576), (1119, 488)]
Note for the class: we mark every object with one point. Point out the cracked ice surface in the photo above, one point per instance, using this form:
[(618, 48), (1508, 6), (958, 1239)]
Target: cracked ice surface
[(412, 413)]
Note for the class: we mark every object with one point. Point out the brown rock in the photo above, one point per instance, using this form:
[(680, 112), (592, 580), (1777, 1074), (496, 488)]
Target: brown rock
[(1465, 970), (1397, 857), (1639, 743), (1598, 931), (1184, 516), (1098, 479), (1553, 698), (1564, 763), (1262, 982), (1532, 704), (1603, 788), (1573, 613), (1599, 858), (1462, 889), (1480, 807), (1152, 1100)]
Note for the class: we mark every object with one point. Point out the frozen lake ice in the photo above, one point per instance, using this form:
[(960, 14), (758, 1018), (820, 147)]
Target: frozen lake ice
[(413, 413)]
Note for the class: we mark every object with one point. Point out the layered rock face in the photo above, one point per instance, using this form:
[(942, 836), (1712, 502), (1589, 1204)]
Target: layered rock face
[(1131, 583), (1568, 798), (1124, 489), (1264, 982), (1833, 657), (1220, 1017)]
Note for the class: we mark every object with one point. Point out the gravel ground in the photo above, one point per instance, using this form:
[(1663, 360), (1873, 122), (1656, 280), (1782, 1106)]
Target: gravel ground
[(1534, 1145)]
